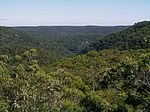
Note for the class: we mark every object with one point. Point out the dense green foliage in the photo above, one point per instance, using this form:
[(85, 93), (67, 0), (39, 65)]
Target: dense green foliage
[(112, 80), (73, 38), (135, 37), (98, 81), (15, 42)]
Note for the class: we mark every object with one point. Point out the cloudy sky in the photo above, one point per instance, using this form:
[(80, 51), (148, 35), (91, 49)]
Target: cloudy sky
[(73, 12)]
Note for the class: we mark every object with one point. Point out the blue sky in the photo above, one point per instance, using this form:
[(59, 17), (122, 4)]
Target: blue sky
[(73, 12)]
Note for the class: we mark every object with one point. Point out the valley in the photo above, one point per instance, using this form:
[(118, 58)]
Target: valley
[(75, 68)]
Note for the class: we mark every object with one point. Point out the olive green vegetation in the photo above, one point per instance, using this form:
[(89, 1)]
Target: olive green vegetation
[(135, 37), (52, 43), (73, 38), (15, 42), (111, 80), (102, 81)]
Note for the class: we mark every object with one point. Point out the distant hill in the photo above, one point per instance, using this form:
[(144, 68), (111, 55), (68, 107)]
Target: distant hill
[(135, 37), (13, 42), (73, 38)]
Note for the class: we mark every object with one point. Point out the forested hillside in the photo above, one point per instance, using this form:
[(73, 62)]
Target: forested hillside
[(96, 82), (73, 38), (13, 42), (135, 37), (113, 74)]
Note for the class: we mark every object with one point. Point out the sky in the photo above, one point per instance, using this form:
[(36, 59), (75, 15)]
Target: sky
[(73, 12)]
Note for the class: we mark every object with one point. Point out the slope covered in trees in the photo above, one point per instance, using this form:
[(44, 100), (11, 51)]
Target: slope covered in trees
[(135, 37), (13, 42), (112, 80), (118, 80), (73, 38), (105, 81)]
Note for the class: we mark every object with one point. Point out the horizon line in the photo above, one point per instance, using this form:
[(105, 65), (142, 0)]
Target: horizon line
[(68, 25)]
